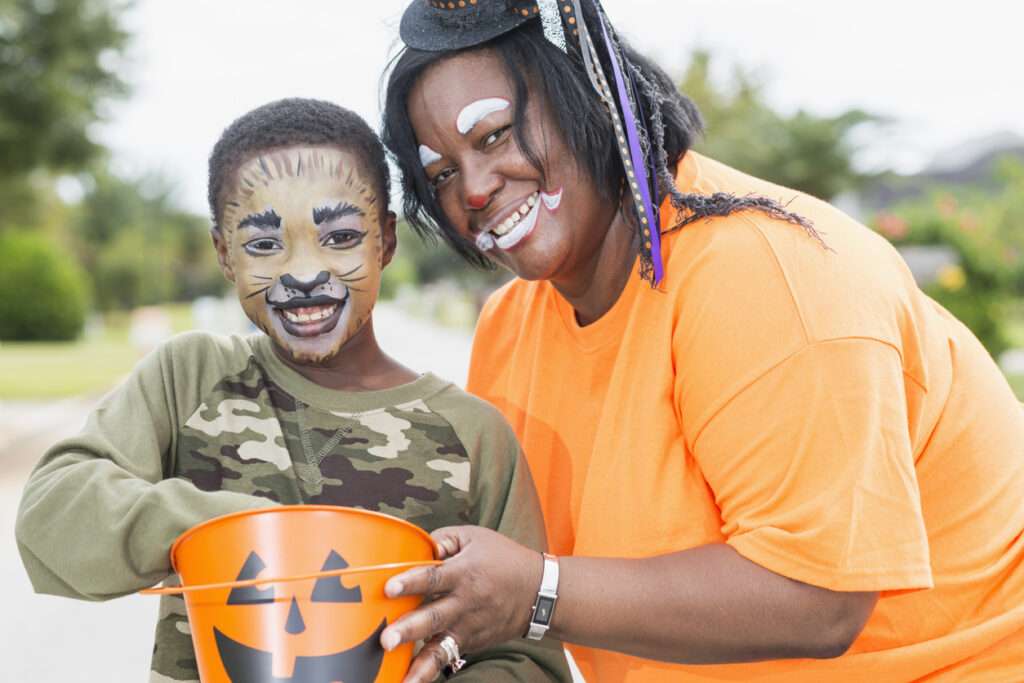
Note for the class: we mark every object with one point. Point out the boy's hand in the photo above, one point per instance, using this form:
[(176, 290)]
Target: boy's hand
[(483, 594)]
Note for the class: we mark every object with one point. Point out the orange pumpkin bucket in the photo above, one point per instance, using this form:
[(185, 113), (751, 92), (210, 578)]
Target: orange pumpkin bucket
[(296, 593)]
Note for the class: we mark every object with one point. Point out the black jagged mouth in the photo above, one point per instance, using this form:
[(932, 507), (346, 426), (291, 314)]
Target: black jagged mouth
[(306, 302), (244, 664)]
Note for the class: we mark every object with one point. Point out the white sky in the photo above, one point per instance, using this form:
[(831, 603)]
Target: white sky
[(948, 71)]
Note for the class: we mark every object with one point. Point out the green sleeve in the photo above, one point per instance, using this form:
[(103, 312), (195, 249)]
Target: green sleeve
[(503, 497), (98, 516)]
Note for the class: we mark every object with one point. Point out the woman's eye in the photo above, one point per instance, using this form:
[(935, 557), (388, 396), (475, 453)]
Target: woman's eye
[(495, 136), (263, 246), (344, 239), (444, 175)]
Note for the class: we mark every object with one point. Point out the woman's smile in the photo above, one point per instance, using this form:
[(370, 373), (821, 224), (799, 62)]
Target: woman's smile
[(511, 227)]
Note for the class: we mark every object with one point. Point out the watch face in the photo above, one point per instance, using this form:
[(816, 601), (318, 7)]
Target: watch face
[(542, 615)]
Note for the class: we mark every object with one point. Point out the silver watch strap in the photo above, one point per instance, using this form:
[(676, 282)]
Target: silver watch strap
[(547, 596)]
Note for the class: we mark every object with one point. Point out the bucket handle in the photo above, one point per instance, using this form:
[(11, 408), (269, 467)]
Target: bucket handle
[(178, 590)]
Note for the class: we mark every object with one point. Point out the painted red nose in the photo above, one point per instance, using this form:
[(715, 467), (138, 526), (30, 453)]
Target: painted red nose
[(477, 201)]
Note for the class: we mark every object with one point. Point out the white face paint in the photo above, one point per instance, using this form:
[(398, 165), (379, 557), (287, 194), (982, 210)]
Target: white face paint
[(475, 111), (428, 156)]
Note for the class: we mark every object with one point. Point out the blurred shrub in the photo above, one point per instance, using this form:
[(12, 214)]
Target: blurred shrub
[(985, 230), (43, 292)]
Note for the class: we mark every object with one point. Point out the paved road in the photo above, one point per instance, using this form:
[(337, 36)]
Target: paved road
[(50, 640)]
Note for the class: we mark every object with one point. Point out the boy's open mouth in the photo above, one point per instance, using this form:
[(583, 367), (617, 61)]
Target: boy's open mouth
[(310, 317)]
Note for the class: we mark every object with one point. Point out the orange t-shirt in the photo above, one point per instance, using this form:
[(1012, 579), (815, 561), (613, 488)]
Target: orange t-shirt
[(812, 408)]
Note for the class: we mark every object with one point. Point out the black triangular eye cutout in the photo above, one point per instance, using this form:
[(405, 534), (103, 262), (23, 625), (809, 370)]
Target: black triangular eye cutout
[(251, 595), (329, 588)]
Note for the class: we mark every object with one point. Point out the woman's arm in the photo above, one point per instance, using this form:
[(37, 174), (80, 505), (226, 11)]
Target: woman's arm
[(502, 498), (703, 605)]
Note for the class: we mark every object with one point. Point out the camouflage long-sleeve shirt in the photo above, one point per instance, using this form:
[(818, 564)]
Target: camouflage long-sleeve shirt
[(210, 425)]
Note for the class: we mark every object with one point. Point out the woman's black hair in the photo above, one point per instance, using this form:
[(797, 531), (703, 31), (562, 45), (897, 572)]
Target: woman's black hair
[(534, 65)]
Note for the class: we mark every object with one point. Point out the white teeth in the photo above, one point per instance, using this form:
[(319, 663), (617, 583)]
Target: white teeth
[(515, 226), (313, 317), (523, 228), (506, 225)]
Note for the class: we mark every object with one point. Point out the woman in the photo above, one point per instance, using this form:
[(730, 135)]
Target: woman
[(758, 445)]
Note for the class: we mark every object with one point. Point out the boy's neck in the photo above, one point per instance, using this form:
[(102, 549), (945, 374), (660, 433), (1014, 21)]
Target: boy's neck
[(361, 365)]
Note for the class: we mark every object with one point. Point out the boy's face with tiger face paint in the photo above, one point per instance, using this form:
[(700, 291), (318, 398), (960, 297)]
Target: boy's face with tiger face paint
[(303, 238)]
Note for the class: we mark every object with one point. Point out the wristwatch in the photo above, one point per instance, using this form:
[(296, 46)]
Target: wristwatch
[(547, 596)]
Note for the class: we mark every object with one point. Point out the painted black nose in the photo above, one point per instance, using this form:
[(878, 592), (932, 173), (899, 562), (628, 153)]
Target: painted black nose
[(322, 278), (295, 624)]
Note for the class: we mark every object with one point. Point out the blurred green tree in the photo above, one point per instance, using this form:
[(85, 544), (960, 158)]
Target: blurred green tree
[(58, 65), (803, 151)]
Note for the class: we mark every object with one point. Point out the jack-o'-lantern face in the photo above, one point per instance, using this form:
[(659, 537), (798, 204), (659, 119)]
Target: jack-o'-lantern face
[(277, 634)]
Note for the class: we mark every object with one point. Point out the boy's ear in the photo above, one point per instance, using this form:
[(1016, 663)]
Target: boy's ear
[(221, 245), (389, 235)]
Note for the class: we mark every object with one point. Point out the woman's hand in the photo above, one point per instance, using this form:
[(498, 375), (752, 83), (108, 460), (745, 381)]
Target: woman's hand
[(482, 595)]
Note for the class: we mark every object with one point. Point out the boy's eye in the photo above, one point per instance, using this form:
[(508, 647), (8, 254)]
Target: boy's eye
[(344, 239), (262, 246)]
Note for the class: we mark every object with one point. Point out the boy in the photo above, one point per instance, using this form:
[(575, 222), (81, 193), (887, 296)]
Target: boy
[(311, 411)]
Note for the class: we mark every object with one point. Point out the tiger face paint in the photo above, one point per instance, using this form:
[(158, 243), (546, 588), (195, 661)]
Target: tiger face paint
[(303, 240)]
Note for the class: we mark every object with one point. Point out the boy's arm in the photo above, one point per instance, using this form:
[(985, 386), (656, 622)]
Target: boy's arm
[(503, 498), (98, 516)]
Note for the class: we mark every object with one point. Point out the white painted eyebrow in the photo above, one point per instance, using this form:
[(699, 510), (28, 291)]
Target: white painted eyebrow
[(428, 156), (475, 111)]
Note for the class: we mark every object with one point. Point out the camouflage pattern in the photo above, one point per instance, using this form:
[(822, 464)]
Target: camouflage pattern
[(250, 436)]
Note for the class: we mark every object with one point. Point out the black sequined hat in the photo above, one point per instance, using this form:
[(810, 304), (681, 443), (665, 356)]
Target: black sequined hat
[(436, 25)]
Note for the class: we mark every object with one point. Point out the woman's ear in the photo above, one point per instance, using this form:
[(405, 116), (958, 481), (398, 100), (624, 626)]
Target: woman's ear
[(389, 236), (221, 245)]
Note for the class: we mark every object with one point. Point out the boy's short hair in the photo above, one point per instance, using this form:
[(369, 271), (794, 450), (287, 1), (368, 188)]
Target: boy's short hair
[(295, 121)]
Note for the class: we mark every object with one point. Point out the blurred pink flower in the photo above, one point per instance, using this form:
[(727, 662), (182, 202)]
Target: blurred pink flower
[(969, 222), (892, 226), (946, 205)]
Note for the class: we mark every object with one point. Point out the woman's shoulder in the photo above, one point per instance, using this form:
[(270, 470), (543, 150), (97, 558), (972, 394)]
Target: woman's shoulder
[(833, 276)]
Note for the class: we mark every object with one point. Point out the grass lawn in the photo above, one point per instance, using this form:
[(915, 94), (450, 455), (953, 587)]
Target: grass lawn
[(54, 370)]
